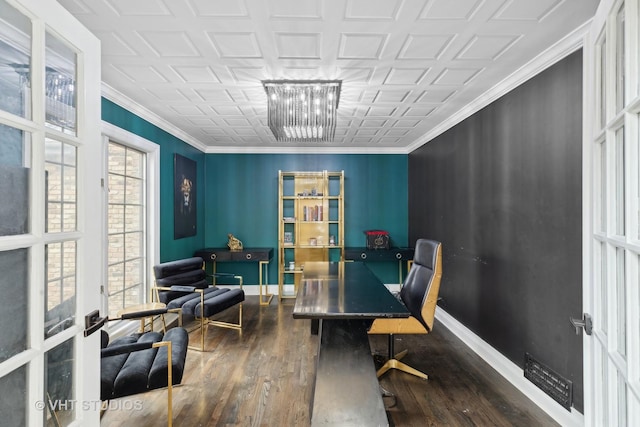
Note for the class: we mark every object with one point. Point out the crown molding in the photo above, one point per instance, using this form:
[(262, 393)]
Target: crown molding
[(563, 48), (130, 105)]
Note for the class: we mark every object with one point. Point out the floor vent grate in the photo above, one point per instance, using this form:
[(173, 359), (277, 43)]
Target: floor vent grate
[(560, 389)]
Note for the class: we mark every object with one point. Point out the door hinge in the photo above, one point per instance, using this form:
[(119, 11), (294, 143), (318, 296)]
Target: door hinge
[(586, 324)]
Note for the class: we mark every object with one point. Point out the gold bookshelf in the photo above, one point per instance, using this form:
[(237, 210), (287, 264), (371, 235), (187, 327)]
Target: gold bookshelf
[(310, 224)]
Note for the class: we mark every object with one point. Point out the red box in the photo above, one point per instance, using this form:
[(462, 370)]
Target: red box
[(377, 239)]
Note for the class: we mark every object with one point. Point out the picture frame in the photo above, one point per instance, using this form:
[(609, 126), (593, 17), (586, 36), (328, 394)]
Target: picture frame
[(288, 238), (185, 197)]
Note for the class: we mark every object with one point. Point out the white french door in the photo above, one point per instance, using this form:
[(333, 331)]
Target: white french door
[(50, 251), (612, 224)]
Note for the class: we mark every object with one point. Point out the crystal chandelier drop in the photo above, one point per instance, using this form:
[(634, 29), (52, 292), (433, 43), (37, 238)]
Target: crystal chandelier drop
[(302, 110)]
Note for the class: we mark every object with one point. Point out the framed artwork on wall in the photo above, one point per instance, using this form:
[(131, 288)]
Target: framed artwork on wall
[(184, 198)]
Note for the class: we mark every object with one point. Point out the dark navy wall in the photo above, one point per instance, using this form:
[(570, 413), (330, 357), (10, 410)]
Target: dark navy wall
[(242, 198), (502, 191), (170, 248)]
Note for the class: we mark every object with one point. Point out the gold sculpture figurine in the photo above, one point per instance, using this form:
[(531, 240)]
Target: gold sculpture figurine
[(234, 243)]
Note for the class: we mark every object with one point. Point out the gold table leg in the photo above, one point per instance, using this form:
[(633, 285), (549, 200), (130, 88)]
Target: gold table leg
[(266, 299)]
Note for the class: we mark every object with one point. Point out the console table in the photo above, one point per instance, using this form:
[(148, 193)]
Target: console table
[(344, 296), (260, 255), (381, 255)]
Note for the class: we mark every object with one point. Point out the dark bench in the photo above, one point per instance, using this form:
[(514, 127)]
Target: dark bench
[(140, 362), (183, 286)]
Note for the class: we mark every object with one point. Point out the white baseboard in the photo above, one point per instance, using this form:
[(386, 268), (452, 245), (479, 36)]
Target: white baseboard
[(510, 371)]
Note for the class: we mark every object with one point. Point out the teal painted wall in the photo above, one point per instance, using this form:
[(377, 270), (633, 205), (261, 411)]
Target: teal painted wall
[(238, 193), (241, 193), (170, 248)]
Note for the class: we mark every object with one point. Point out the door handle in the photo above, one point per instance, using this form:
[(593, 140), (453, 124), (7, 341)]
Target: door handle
[(93, 322), (586, 323)]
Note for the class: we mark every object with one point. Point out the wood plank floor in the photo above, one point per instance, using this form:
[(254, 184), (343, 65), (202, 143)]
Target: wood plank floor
[(263, 376)]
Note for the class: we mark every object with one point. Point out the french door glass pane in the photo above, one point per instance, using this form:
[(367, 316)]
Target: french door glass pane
[(622, 401), (13, 405), (60, 85), (59, 389), (603, 303), (14, 285), (620, 59), (61, 185), (15, 66), (621, 298), (60, 305), (601, 206), (620, 205), (602, 112), (14, 180)]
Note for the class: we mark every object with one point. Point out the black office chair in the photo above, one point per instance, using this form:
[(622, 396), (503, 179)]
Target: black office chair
[(419, 294)]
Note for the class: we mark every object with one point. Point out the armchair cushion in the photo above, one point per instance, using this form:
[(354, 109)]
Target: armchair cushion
[(129, 365)]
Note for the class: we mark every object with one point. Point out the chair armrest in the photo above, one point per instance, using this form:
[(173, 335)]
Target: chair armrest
[(143, 313), (182, 288), (125, 348)]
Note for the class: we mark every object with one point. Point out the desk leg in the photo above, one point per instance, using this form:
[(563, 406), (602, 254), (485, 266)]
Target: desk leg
[(346, 391), (266, 300)]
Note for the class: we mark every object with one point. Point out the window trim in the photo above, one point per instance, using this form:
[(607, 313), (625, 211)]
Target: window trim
[(118, 135)]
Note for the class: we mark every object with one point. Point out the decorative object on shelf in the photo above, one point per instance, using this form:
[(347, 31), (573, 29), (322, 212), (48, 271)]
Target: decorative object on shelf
[(313, 241), (234, 243), (184, 198), (377, 239), (302, 110), (288, 237), (292, 265), (332, 240)]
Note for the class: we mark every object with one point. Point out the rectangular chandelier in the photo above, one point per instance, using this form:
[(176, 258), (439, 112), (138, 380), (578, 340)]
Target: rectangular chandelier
[(302, 110)]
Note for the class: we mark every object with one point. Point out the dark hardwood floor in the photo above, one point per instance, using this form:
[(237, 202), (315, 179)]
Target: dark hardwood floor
[(263, 376)]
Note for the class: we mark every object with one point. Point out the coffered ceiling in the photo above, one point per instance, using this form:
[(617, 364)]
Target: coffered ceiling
[(406, 66)]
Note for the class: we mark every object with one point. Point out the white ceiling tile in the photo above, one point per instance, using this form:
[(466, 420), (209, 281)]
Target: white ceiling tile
[(201, 122), (167, 94), (397, 132), (405, 76), (298, 45), (236, 45), (227, 111), (356, 74), (295, 9), (447, 9), (140, 74), (391, 96), (435, 95), (226, 9), (372, 9), (214, 131), (196, 74), (214, 95), (113, 44), (487, 47), (248, 74), (406, 123), (389, 140), (418, 46), (527, 10), (380, 111), (361, 46), (187, 110), (138, 8), (418, 111), (456, 76), (239, 122), (244, 131), (301, 73), (373, 123), (363, 140), (366, 132), (169, 43), (76, 7)]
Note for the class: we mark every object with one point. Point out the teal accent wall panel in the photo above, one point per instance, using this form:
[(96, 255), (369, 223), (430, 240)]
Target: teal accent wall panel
[(241, 192), (170, 248)]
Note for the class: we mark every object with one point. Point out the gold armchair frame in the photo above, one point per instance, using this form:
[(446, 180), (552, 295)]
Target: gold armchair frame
[(202, 320)]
